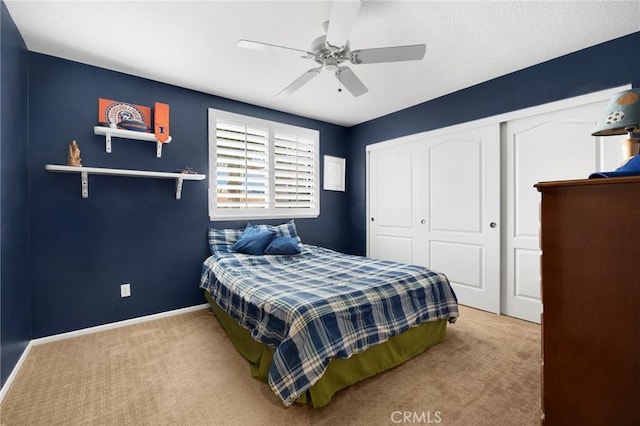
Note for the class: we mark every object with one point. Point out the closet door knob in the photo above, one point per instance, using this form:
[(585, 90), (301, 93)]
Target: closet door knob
[(492, 225), (373, 219), (423, 221)]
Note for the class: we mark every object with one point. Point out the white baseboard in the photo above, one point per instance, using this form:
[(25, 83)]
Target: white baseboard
[(14, 372), (89, 330)]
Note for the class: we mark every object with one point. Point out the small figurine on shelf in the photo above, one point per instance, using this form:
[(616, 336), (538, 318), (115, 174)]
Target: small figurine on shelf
[(73, 157)]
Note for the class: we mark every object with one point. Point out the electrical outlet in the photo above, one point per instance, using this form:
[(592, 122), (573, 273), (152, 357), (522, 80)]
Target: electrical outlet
[(125, 290)]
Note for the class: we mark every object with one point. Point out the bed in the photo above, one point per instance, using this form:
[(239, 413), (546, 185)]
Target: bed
[(312, 321)]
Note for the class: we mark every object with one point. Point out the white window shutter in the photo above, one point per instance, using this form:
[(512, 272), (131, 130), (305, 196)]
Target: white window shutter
[(242, 166), (262, 169), (294, 172)]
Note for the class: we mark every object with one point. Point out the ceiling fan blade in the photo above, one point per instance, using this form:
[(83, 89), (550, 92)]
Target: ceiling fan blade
[(388, 54), (351, 81), (256, 45), (300, 81), (343, 15)]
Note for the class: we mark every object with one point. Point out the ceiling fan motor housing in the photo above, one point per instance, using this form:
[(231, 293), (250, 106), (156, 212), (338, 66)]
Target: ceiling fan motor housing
[(327, 56)]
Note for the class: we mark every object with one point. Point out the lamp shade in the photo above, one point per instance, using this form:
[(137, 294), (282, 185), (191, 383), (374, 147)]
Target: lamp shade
[(621, 116)]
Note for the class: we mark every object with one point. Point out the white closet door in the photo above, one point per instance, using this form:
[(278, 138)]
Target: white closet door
[(462, 224), (436, 202), (393, 205), (552, 146)]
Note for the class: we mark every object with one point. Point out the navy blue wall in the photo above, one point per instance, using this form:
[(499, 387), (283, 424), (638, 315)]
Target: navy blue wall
[(130, 229), (61, 268), (600, 67), (15, 292)]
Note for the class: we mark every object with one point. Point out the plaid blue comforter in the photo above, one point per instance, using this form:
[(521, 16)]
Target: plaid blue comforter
[(322, 304)]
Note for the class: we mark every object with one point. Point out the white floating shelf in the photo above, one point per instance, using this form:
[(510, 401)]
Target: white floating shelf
[(86, 171), (109, 132)]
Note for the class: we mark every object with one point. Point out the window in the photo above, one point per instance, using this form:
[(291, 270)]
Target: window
[(261, 169)]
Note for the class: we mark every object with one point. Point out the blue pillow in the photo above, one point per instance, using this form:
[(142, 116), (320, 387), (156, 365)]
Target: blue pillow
[(287, 229), (283, 245), (253, 240)]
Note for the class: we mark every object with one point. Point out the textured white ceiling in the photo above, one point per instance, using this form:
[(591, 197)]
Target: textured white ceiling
[(193, 44)]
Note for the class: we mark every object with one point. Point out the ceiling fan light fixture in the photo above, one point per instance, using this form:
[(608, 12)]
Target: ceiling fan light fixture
[(332, 64)]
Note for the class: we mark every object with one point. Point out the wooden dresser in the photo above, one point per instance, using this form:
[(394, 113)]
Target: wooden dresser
[(590, 268)]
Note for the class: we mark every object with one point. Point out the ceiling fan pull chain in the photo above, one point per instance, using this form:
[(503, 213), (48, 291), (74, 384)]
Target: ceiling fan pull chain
[(339, 81)]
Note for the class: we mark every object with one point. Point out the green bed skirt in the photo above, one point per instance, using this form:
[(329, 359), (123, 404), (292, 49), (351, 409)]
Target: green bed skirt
[(340, 372)]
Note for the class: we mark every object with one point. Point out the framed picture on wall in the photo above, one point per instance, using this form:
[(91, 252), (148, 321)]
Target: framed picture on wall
[(334, 169)]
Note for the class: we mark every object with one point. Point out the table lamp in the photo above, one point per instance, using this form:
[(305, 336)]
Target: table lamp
[(622, 116)]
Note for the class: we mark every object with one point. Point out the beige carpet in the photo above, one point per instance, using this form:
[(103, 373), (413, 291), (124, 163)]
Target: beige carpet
[(182, 370)]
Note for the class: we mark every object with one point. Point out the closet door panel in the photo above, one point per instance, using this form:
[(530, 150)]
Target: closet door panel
[(551, 146), (463, 189), (448, 256), (455, 180), (394, 189), (391, 247), (527, 267), (435, 201), (392, 206)]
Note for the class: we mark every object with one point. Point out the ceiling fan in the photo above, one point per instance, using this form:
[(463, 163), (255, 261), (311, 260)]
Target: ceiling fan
[(333, 49)]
